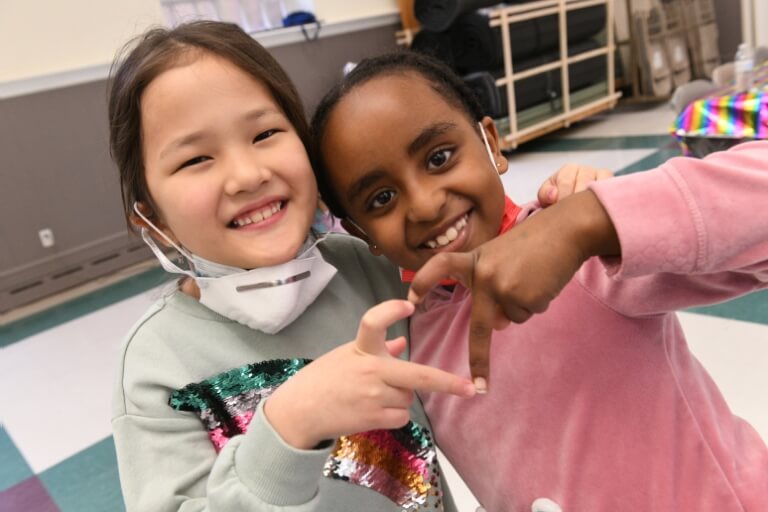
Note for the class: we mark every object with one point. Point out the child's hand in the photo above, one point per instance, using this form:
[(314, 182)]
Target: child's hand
[(568, 180), (358, 386), (520, 272)]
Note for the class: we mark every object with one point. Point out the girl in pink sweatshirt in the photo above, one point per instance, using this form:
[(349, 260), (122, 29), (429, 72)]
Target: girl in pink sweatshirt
[(596, 404)]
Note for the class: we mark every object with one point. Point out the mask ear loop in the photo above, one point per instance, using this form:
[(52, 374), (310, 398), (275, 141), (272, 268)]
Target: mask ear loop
[(487, 144), (349, 219), (167, 264)]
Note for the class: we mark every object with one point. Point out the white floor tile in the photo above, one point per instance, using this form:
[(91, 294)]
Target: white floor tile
[(736, 355), (527, 171), (56, 386)]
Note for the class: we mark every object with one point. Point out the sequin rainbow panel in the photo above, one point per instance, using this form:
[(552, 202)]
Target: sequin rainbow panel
[(226, 402), (400, 464)]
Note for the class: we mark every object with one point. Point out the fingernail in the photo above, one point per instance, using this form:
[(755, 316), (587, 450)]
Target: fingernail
[(481, 386), (469, 390), (552, 194)]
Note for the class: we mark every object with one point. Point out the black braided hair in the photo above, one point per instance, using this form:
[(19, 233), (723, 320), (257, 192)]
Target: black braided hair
[(442, 79)]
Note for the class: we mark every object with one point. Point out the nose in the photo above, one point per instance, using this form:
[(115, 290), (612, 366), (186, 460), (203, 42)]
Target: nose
[(426, 202), (245, 172)]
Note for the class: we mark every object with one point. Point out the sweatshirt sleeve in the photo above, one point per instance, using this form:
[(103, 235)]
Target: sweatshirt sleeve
[(168, 463), (692, 232)]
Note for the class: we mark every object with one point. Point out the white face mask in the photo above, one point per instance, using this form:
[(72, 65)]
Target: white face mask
[(266, 299)]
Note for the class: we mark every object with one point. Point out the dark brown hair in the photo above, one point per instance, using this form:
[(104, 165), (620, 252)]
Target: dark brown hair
[(161, 49)]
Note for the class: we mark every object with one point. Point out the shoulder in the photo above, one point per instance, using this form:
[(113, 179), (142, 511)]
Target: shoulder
[(347, 252), (158, 353)]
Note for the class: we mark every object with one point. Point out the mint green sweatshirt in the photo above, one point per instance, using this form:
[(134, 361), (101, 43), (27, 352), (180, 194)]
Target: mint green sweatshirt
[(167, 455)]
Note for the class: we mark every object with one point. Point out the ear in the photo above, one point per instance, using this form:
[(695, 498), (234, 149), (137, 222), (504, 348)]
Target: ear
[(493, 140), (140, 223), (355, 231)]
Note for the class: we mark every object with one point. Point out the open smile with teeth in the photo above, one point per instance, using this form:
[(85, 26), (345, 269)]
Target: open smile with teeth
[(451, 234), (257, 215)]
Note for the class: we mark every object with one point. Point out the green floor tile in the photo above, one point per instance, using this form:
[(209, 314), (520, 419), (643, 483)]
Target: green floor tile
[(13, 467), (750, 308), (653, 160), (554, 144), (87, 481)]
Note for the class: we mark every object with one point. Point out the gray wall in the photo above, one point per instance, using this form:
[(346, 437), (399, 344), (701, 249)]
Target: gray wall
[(56, 173)]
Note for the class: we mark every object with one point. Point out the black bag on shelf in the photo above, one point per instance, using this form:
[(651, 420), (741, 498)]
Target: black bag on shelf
[(439, 15)]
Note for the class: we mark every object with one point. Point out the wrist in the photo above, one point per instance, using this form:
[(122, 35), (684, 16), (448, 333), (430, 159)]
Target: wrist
[(290, 423), (592, 229)]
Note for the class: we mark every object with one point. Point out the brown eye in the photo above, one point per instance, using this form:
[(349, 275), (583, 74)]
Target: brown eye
[(382, 199), (194, 161), (264, 135), (439, 158)]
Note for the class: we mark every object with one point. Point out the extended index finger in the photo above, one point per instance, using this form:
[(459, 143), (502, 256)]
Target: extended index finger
[(419, 377), (372, 332), (481, 324), (454, 265)]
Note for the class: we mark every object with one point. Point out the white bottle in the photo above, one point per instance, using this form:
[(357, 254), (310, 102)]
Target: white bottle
[(743, 67)]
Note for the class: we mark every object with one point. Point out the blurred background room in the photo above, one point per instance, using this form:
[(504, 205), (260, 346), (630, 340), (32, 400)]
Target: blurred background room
[(617, 84)]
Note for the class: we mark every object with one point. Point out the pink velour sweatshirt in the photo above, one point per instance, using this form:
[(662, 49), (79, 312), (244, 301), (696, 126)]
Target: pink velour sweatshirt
[(597, 405)]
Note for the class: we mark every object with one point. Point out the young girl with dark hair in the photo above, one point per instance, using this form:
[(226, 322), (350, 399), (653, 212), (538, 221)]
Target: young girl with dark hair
[(595, 404)]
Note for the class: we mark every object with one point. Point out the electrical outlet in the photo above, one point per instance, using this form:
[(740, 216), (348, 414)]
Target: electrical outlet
[(46, 237)]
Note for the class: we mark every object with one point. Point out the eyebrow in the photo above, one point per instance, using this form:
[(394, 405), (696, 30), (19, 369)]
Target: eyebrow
[(422, 139), (426, 136), (194, 137), (365, 182)]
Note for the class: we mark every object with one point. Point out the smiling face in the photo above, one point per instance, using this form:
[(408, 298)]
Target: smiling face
[(224, 166), (411, 169)]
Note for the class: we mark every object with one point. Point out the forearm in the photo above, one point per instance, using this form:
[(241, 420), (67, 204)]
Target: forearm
[(692, 216), (170, 465)]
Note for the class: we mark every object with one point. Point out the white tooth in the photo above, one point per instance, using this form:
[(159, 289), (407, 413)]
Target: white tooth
[(276, 208), (442, 240), (256, 217), (451, 234), (266, 214), (432, 244)]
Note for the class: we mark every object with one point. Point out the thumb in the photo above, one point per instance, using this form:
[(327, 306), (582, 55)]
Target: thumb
[(548, 193), (372, 333), (456, 265), (397, 346)]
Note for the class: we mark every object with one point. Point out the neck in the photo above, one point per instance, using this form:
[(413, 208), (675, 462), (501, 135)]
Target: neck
[(189, 286)]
